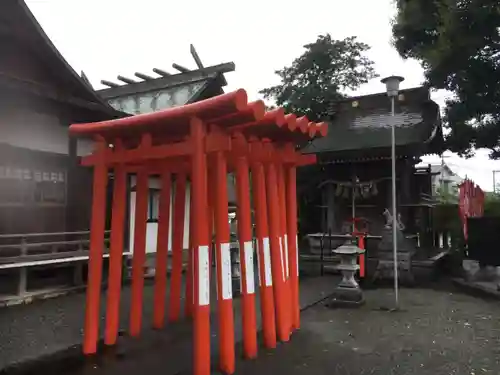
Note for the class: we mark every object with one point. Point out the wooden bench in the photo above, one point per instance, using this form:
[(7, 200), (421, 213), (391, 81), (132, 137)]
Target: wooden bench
[(38, 249)]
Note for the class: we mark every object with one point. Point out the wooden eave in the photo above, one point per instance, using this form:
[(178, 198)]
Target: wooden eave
[(160, 83), (30, 33)]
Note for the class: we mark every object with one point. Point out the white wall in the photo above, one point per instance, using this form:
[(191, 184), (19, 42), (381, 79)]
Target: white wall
[(34, 131), (445, 176), (84, 147), (40, 132), (152, 228)]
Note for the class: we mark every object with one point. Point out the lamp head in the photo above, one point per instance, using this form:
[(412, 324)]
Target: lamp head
[(392, 85)]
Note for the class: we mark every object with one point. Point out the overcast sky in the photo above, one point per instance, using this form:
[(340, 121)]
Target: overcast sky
[(105, 38)]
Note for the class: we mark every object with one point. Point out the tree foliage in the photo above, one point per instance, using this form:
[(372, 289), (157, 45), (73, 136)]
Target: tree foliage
[(492, 204), (447, 196), (321, 75), (458, 44)]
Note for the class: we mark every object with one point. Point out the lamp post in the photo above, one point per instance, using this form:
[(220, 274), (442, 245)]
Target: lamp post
[(392, 88)]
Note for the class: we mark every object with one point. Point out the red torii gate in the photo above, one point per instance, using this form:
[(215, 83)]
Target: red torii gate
[(201, 140)]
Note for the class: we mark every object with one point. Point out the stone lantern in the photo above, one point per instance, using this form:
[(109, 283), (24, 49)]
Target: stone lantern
[(348, 293)]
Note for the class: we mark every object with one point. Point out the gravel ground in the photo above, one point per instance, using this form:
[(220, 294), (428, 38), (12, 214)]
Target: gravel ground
[(48, 327), (437, 332)]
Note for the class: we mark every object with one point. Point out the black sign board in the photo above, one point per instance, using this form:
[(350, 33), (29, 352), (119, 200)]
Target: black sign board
[(484, 240)]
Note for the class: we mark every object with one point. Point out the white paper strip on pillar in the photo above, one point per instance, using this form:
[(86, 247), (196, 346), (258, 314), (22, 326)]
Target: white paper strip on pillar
[(268, 276), (250, 277), (281, 257), (297, 253), (227, 284), (203, 276), (217, 267), (287, 270)]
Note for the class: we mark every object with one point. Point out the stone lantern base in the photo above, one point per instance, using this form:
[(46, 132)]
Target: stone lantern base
[(348, 293), (346, 297)]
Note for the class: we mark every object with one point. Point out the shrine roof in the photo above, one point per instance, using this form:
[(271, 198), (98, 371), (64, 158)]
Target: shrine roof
[(168, 81), (364, 124), (19, 24), (145, 92), (230, 111), (155, 93)]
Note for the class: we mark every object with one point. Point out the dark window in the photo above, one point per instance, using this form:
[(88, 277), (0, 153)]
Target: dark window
[(153, 205), (50, 187), (11, 192), (50, 192), (445, 186)]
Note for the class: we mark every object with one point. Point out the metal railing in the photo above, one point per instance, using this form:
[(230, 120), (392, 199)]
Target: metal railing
[(328, 257), (326, 248)]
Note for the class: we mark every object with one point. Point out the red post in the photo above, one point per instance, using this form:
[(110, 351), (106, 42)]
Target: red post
[(284, 241), (223, 261), (212, 192), (293, 251), (246, 258), (200, 245), (264, 256), (162, 251), (361, 245), (189, 303), (97, 227), (139, 257), (116, 255), (174, 305), (276, 254)]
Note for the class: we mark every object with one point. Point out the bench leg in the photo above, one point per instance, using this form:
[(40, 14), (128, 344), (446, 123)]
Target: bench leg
[(78, 274), (23, 280)]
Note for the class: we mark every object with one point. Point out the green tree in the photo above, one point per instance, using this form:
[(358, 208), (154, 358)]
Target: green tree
[(321, 75), (492, 204), (445, 196), (458, 45)]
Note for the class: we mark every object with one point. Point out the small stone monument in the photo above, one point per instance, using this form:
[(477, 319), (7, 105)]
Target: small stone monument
[(385, 252), (348, 292)]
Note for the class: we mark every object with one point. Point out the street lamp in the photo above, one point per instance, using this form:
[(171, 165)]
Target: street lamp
[(392, 88)]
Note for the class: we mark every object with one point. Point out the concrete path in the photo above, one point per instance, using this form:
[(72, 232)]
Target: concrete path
[(485, 288), (485, 282), (52, 329)]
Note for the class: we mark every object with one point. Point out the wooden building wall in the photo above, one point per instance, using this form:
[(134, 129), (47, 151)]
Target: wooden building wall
[(34, 192), (42, 188)]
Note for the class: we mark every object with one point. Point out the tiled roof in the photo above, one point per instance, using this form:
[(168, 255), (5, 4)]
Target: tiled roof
[(16, 17), (364, 123), (157, 93)]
